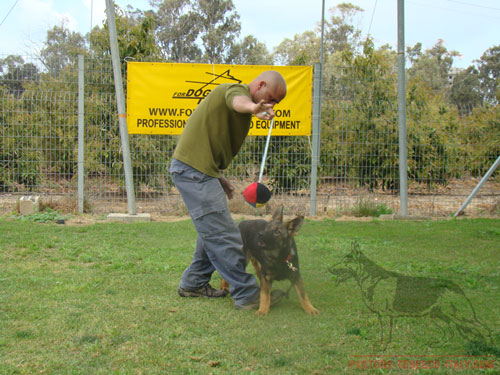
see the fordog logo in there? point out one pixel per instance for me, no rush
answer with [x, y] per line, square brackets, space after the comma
[162, 96]
[203, 90]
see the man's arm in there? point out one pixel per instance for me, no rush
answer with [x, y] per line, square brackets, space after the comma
[243, 104]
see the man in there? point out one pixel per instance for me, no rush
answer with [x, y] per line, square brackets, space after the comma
[211, 139]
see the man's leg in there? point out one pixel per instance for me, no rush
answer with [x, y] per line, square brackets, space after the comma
[219, 244]
[199, 273]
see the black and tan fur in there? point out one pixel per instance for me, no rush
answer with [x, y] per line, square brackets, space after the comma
[271, 248]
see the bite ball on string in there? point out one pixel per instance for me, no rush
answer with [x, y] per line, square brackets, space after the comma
[257, 194]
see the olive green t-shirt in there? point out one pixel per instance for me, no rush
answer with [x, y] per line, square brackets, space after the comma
[215, 131]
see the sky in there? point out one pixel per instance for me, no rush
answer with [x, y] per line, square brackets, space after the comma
[469, 27]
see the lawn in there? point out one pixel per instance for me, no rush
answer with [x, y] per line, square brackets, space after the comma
[101, 299]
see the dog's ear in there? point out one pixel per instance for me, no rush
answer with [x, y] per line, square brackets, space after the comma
[294, 225]
[278, 214]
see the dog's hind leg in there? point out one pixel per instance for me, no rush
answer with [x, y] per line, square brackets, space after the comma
[304, 299]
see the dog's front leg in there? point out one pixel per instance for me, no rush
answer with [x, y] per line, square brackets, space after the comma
[265, 295]
[304, 299]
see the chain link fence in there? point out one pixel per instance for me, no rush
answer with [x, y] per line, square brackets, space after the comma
[449, 150]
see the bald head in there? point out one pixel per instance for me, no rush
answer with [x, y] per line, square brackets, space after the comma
[273, 78]
[269, 86]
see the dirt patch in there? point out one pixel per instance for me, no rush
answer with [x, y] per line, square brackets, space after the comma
[334, 200]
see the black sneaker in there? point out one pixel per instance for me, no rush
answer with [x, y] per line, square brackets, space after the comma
[276, 296]
[205, 291]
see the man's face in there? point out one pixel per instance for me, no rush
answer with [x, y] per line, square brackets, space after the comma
[271, 94]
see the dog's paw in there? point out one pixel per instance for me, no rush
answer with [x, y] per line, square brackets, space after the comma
[312, 311]
[261, 312]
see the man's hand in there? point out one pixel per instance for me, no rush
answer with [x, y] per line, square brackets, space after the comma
[262, 110]
[227, 187]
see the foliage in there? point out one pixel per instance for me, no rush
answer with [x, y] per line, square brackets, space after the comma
[452, 123]
[364, 91]
[61, 49]
[302, 50]
[464, 92]
[340, 33]
[219, 26]
[15, 73]
[176, 30]
[249, 51]
[135, 37]
[204, 31]
[369, 208]
[489, 74]
[46, 216]
[432, 67]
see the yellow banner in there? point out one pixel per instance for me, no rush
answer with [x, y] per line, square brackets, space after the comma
[162, 96]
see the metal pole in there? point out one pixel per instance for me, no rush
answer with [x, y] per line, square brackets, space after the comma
[479, 185]
[316, 136]
[81, 132]
[120, 101]
[403, 152]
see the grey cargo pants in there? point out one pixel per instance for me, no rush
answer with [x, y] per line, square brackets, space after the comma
[219, 245]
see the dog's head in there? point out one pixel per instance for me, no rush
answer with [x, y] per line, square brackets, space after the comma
[349, 265]
[278, 234]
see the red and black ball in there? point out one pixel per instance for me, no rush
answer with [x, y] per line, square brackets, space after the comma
[257, 194]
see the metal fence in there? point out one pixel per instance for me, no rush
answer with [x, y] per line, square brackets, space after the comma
[358, 167]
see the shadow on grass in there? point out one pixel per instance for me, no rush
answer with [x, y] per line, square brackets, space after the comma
[391, 295]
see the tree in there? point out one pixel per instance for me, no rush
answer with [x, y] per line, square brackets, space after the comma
[249, 51]
[302, 50]
[219, 28]
[465, 91]
[489, 74]
[135, 34]
[61, 48]
[15, 73]
[177, 28]
[340, 34]
[433, 66]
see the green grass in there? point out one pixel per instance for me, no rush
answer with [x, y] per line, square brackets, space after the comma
[101, 299]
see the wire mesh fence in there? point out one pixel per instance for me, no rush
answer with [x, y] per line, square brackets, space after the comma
[449, 149]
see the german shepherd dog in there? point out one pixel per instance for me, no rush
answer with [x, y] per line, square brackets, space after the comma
[392, 295]
[271, 248]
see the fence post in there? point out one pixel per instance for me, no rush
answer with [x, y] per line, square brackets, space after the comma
[81, 132]
[403, 152]
[316, 135]
[120, 101]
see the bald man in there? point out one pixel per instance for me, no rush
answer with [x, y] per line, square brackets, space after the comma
[211, 139]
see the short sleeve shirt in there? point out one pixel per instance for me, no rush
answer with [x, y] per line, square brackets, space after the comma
[215, 131]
